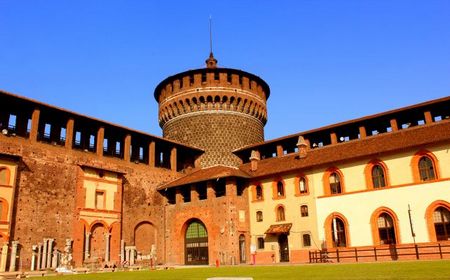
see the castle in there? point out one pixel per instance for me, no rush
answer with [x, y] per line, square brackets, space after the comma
[211, 190]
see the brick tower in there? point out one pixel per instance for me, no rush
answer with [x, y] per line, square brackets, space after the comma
[215, 109]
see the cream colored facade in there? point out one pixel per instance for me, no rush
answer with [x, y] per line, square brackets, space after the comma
[8, 171]
[357, 204]
[101, 191]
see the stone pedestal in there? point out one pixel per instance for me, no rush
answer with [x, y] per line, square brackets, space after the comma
[12, 260]
[33, 257]
[4, 257]
[39, 256]
[44, 254]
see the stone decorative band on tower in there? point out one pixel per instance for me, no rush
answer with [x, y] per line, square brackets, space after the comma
[215, 109]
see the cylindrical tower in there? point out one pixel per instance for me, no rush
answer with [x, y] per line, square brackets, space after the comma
[215, 109]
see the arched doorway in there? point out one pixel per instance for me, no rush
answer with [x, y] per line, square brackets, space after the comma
[144, 238]
[196, 244]
[242, 255]
[98, 245]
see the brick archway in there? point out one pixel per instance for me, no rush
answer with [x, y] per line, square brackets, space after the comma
[196, 246]
[145, 237]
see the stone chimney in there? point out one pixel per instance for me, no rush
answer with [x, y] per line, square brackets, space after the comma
[302, 147]
[254, 158]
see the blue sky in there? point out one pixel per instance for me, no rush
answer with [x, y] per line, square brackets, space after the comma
[326, 61]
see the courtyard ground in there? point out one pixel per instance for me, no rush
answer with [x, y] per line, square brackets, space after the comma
[390, 270]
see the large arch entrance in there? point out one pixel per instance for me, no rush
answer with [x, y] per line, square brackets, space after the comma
[196, 244]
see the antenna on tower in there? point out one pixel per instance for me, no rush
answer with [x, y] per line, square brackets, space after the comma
[211, 62]
[210, 34]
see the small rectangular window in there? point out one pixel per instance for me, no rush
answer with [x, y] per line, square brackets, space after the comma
[306, 240]
[100, 200]
[260, 243]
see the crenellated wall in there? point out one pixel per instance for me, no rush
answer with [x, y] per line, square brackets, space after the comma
[215, 109]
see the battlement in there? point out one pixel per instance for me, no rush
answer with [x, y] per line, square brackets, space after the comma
[215, 109]
[212, 89]
[38, 122]
[406, 118]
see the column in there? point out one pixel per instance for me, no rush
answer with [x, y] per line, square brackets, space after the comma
[12, 261]
[428, 117]
[279, 151]
[333, 138]
[4, 257]
[362, 132]
[55, 258]
[132, 255]
[230, 187]
[107, 237]
[178, 196]
[33, 257]
[210, 191]
[126, 147]
[34, 124]
[86, 245]
[173, 159]
[394, 124]
[39, 256]
[100, 138]
[122, 248]
[194, 193]
[69, 133]
[44, 254]
[127, 255]
[49, 252]
[151, 154]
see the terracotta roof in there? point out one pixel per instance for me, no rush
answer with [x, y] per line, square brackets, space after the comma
[30, 100]
[354, 121]
[209, 173]
[404, 139]
[276, 229]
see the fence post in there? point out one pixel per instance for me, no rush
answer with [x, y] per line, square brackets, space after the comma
[337, 254]
[375, 253]
[417, 251]
[440, 250]
[356, 254]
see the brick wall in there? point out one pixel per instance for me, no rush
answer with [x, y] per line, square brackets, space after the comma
[45, 198]
[217, 133]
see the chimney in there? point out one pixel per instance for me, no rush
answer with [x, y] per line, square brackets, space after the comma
[302, 147]
[254, 158]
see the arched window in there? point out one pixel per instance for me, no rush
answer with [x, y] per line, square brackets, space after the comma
[280, 189]
[259, 216]
[280, 214]
[386, 229]
[304, 210]
[441, 219]
[426, 169]
[1, 210]
[259, 193]
[302, 187]
[196, 243]
[338, 232]
[335, 183]
[378, 178]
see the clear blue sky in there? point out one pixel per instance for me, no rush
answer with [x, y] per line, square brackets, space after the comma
[326, 61]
